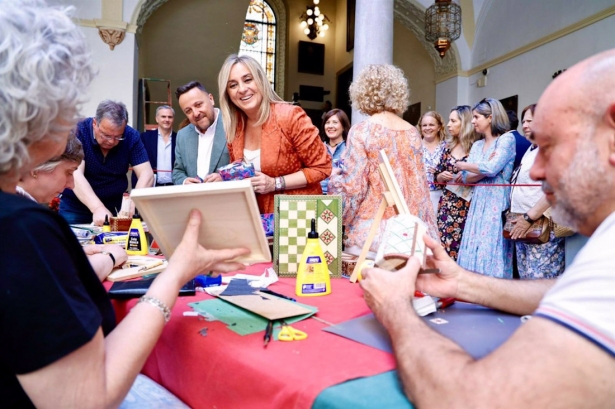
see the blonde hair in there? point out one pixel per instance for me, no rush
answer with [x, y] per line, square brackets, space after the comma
[232, 117]
[378, 88]
[467, 134]
[439, 120]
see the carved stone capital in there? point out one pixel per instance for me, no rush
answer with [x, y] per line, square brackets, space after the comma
[111, 36]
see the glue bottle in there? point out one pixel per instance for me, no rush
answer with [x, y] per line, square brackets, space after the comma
[313, 273]
[136, 245]
[106, 225]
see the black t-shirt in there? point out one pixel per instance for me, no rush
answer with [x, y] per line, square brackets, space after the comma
[51, 301]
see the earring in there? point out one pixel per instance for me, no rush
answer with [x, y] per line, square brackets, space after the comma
[34, 175]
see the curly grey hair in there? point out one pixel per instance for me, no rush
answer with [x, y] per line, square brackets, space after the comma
[45, 67]
[378, 88]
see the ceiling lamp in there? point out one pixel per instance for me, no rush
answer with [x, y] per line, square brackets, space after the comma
[313, 22]
[443, 24]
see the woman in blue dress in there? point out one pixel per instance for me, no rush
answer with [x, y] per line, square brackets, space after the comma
[483, 248]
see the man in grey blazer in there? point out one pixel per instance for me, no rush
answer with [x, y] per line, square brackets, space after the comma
[201, 146]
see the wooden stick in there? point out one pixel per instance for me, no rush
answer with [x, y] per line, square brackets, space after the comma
[370, 239]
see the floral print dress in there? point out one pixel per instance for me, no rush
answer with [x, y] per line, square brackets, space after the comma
[361, 187]
[452, 209]
[483, 248]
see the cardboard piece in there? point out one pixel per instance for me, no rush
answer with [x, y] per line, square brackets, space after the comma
[230, 216]
[266, 305]
[141, 264]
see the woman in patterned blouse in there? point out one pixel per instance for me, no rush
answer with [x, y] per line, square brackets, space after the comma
[380, 91]
[431, 127]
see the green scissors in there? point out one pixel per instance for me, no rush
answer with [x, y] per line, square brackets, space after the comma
[289, 333]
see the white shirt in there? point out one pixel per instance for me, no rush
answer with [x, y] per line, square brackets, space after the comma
[253, 157]
[583, 299]
[164, 172]
[525, 197]
[206, 143]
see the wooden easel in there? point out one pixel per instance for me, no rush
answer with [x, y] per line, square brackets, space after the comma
[391, 196]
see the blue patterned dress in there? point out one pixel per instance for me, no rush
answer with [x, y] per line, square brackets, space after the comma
[483, 248]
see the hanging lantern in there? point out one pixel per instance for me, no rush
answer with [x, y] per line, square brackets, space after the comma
[443, 24]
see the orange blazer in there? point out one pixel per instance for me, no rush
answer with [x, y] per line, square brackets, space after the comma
[289, 143]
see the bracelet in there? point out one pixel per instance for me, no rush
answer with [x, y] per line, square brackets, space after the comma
[110, 255]
[166, 312]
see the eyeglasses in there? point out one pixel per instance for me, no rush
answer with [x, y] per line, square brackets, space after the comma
[109, 137]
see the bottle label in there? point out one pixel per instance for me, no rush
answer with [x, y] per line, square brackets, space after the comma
[313, 260]
[314, 288]
[134, 241]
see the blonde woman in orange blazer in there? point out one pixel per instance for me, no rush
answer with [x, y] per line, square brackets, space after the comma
[277, 137]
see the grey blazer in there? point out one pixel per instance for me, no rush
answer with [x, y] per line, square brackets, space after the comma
[187, 149]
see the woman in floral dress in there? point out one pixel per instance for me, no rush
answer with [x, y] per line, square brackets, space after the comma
[483, 248]
[380, 91]
[455, 201]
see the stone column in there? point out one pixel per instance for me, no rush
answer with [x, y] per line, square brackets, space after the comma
[373, 38]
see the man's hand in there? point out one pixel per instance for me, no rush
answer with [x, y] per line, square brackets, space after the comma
[192, 259]
[212, 177]
[190, 181]
[389, 293]
[445, 283]
[98, 215]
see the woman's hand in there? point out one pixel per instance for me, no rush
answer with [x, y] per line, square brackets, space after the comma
[262, 183]
[444, 177]
[520, 229]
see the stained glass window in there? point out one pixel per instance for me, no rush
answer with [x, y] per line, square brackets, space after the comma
[259, 36]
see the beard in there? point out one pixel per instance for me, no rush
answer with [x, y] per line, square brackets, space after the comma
[582, 187]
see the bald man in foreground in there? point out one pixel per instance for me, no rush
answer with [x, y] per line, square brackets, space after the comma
[565, 355]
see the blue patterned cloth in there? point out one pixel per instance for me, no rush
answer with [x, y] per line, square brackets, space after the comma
[483, 248]
[544, 260]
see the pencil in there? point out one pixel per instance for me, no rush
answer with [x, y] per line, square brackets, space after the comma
[268, 333]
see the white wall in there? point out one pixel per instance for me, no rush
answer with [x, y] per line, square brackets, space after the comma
[505, 26]
[115, 73]
[527, 75]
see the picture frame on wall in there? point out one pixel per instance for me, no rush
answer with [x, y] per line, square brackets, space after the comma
[311, 58]
[351, 6]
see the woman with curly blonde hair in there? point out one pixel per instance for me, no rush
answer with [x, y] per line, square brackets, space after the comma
[380, 91]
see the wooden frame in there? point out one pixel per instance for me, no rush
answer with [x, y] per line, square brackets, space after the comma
[230, 216]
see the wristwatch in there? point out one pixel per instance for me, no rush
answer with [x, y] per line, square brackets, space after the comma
[278, 184]
[528, 218]
[110, 255]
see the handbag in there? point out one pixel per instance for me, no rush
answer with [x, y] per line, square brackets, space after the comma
[559, 229]
[538, 232]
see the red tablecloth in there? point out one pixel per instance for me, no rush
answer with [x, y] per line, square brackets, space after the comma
[226, 370]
